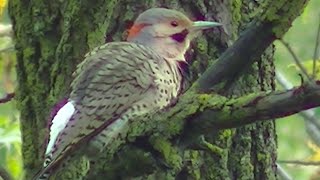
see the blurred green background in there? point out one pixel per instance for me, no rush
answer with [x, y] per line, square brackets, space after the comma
[293, 139]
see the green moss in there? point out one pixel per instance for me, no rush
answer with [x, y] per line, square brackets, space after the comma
[168, 152]
[124, 164]
[28, 52]
[76, 170]
[195, 164]
[129, 16]
[236, 16]
[95, 37]
[103, 20]
[202, 45]
[213, 149]
[263, 157]
[209, 100]
[173, 127]
[281, 14]
[226, 133]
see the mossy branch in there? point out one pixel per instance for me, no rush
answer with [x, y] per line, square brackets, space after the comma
[268, 26]
[207, 113]
[257, 107]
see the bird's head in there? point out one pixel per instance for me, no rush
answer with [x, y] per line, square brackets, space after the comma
[167, 31]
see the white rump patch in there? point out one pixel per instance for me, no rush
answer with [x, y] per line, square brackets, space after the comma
[59, 122]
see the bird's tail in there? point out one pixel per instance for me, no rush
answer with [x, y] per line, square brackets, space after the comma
[42, 175]
[45, 172]
[60, 169]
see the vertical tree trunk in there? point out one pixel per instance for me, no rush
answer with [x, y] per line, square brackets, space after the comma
[53, 36]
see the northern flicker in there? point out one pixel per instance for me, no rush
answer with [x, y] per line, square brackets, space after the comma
[121, 80]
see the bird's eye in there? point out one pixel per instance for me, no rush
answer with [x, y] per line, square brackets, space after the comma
[174, 23]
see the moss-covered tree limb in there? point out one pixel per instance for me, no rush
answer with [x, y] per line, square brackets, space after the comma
[268, 25]
[257, 107]
[209, 112]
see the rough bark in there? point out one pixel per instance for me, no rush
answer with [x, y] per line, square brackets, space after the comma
[51, 38]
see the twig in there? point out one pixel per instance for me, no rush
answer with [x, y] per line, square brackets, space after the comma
[7, 98]
[282, 173]
[316, 51]
[302, 163]
[312, 129]
[8, 48]
[296, 59]
[312, 123]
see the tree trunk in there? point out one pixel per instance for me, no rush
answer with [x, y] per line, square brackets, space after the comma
[53, 36]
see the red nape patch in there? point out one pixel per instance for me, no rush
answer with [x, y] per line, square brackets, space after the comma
[135, 29]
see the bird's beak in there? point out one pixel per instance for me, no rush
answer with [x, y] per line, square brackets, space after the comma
[201, 25]
[197, 27]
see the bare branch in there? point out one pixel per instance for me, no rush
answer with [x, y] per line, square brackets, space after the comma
[316, 50]
[7, 98]
[302, 163]
[311, 121]
[282, 173]
[296, 59]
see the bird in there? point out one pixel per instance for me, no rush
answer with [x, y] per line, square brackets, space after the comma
[119, 81]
